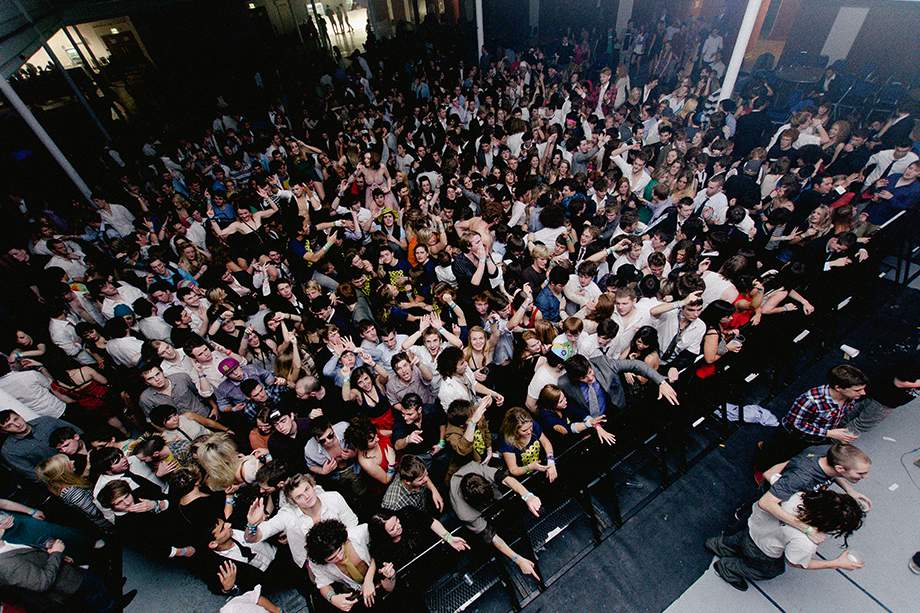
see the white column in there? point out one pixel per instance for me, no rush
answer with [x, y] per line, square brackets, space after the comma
[40, 133]
[480, 33]
[624, 13]
[741, 44]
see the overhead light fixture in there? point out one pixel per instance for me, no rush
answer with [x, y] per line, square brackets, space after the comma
[252, 5]
[113, 30]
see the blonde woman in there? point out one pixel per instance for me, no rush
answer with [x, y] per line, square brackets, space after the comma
[224, 467]
[684, 186]
[523, 445]
[479, 351]
[838, 136]
[57, 473]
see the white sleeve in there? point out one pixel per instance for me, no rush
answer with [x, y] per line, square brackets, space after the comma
[621, 163]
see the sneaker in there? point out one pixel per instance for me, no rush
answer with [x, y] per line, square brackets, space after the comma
[914, 563]
[739, 584]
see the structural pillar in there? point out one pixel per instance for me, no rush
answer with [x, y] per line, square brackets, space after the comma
[624, 14]
[480, 33]
[42, 136]
[533, 14]
[741, 44]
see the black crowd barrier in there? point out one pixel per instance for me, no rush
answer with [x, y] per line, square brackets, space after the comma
[600, 488]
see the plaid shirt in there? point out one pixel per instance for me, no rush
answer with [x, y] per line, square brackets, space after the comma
[398, 496]
[815, 412]
[276, 394]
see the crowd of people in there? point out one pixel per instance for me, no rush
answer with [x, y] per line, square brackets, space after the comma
[294, 350]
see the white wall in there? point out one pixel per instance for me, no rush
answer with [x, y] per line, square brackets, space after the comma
[843, 33]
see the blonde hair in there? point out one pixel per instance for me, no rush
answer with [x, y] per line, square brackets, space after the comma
[514, 419]
[57, 475]
[218, 457]
[487, 350]
[284, 364]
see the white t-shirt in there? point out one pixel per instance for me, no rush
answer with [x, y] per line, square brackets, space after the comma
[544, 375]
[125, 351]
[777, 539]
[629, 325]
[32, 389]
[717, 286]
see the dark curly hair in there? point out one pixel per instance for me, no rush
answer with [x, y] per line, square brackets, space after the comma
[324, 539]
[831, 512]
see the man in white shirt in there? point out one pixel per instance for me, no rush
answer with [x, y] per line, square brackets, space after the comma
[581, 288]
[64, 334]
[711, 46]
[112, 295]
[33, 389]
[67, 257]
[116, 216]
[711, 203]
[122, 347]
[548, 371]
[303, 498]
[890, 161]
[680, 330]
[628, 316]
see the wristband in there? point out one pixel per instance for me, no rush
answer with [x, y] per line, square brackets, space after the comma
[441, 443]
[448, 538]
[252, 529]
[515, 558]
[809, 530]
[527, 496]
[452, 305]
[329, 595]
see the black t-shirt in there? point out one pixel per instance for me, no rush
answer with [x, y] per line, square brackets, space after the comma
[290, 450]
[882, 387]
[432, 420]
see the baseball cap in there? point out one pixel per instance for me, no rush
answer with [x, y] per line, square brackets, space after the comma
[123, 310]
[275, 415]
[226, 365]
